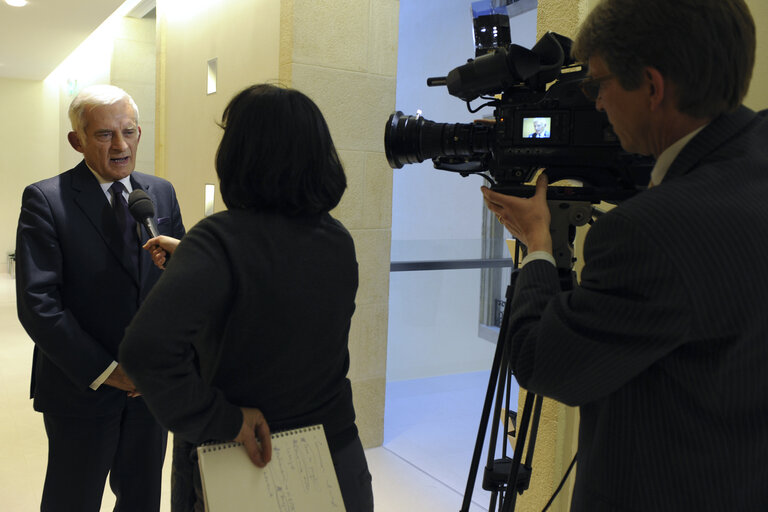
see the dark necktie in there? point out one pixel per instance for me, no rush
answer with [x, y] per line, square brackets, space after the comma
[125, 222]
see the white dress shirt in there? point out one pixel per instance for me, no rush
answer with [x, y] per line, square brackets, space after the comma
[105, 187]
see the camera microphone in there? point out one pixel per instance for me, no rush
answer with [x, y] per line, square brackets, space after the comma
[143, 210]
[437, 81]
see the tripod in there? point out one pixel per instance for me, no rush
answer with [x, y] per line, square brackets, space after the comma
[507, 477]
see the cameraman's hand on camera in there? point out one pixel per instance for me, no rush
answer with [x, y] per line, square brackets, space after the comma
[527, 219]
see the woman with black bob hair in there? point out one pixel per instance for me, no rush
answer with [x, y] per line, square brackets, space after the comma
[247, 329]
[277, 154]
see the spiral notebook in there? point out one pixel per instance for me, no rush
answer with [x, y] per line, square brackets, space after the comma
[299, 478]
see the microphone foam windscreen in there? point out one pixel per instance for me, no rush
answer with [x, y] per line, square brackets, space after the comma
[140, 205]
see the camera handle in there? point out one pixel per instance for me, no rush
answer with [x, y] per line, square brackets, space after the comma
[501, 474]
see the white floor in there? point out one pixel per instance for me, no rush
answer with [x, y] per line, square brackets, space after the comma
[430, 431]
[433, 424]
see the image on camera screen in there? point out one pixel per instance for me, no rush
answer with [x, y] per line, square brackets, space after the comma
[536, 127]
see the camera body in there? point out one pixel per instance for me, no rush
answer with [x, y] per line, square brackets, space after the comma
[533, 127]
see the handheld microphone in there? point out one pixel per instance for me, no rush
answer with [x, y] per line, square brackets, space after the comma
[143, 210]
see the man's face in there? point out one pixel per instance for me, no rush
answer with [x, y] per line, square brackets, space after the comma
[538, 126]
[627, 111]
[111, 138]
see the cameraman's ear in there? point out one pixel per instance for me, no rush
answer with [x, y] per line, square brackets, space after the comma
[656, 87]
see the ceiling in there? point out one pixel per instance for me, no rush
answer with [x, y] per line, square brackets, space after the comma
[34, 39]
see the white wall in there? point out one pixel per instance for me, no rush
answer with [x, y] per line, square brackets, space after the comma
[433, 319]
[29, 148]
[122, 53]
[133, 70]
[34, 145]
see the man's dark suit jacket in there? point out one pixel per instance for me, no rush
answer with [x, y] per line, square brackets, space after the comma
[664, 345]
[75, 291]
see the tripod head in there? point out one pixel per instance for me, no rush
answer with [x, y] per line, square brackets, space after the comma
[566, 216]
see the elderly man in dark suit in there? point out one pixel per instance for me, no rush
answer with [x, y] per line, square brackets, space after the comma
[81, 276]
[664, 344]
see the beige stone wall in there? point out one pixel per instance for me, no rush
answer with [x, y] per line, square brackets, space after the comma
[133, 69]
[343, 54]
[244, 36]
[561, 16]
[757, 98]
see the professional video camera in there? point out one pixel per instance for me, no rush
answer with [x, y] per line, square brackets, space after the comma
[556, 128]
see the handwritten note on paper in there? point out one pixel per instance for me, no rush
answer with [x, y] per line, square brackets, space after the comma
[299, 478]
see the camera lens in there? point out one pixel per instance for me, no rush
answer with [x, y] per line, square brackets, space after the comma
[412, 139]
[402, 140]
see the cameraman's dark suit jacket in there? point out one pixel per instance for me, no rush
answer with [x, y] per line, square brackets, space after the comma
[75, 292]
[664, 345]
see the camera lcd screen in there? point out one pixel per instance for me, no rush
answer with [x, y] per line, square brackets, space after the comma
[536, 127]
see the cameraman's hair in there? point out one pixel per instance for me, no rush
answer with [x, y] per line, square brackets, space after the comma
[95, 96]
[277, 154]
[705, 47]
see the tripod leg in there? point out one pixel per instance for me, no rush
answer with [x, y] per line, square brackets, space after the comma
[566, 215]
[499, 360]
[534, 428]
[492, 381]
[501, 387]
[532, 405]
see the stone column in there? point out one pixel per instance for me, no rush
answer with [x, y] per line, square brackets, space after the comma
[343, 54]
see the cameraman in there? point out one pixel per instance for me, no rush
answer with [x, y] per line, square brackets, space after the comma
[664, 344]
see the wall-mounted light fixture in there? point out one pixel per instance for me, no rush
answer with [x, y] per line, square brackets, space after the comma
[210, 190]
[212, 73]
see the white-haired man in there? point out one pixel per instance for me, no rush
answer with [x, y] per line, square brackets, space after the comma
[539, 129]
[81, 276]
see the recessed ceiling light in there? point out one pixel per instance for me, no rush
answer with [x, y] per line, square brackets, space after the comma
[16, 3]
